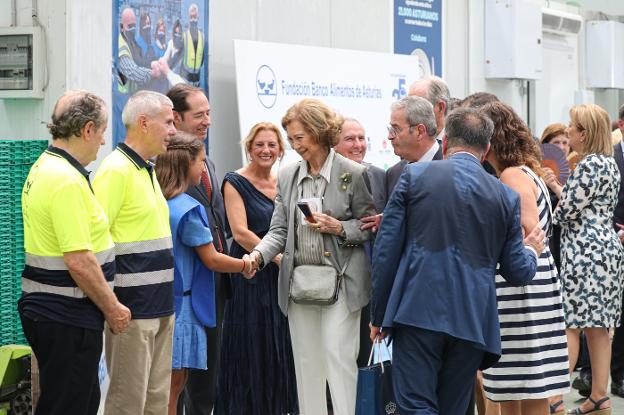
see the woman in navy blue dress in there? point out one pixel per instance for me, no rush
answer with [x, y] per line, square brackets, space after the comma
[257, 375]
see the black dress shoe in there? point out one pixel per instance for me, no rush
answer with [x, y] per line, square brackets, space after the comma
[583, 383]
[617, 387]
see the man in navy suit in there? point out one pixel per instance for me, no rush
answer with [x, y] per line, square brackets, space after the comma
[412, 132]
[445, 228]
[191, 111]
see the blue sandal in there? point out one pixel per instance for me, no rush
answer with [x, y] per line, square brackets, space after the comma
[597, 409]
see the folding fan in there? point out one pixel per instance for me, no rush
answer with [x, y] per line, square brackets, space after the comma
[555, 159]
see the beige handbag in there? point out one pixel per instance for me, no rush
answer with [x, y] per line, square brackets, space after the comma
[315, 284]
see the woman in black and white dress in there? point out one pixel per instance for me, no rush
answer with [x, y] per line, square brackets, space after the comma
[591, 253]
[534, 361]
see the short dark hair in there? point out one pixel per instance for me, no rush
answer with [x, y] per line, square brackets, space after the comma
[478, 99]
[178, 94]
[467, 127]
[82, 107]
[621, 113]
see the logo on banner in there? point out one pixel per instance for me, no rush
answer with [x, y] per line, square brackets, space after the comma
[266, 86]
[400, 91]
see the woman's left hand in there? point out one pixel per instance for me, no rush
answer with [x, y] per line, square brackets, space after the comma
[326, 224]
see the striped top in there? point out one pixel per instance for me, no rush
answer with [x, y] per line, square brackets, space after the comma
[309, 245]
[534, 361]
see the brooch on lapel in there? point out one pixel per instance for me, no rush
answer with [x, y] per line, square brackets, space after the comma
[345, 179]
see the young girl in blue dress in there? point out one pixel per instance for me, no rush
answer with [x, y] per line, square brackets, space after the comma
[195, 258]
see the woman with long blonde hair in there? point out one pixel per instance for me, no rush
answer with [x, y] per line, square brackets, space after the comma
[591, 253]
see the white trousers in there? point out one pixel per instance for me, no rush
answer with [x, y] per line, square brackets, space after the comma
[325, 342]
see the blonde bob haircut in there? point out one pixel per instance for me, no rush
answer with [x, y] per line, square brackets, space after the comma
[257, 129]
[597, 126]
[317, 119]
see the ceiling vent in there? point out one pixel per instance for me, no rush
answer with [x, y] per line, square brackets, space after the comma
[561, 23]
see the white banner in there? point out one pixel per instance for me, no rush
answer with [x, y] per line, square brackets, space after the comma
[271, 77]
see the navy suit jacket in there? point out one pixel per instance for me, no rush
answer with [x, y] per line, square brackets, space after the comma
[618, 214]
[394, 172]
[445, 228]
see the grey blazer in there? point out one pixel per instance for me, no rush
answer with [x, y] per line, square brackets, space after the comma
[377, 179]
[345, 205]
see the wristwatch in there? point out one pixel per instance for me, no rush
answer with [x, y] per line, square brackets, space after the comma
[260, 259]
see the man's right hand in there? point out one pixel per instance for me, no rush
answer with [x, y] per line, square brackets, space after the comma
[371, 222]
[118, 318]
[536, 239]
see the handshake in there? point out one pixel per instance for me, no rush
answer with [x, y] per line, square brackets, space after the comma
[159, 68]
[250, 267]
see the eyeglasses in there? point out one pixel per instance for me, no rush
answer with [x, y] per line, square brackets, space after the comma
[394, 131]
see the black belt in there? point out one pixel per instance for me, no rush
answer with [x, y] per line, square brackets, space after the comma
[187, 293]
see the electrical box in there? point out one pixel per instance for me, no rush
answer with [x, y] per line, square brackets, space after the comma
[21, 62]
[604, 60]
[513, 39]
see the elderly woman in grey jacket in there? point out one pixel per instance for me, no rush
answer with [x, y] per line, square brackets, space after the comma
[326, 250]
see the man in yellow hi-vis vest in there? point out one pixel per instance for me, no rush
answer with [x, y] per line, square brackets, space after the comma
[139, 360]
[70, 263]
[193, 48]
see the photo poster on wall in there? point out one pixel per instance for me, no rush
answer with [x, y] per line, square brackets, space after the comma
[157, 44]
[418, 32]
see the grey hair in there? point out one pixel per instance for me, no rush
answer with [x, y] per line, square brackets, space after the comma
[438, 90]
[148, 103]
[350, 119]
[81, 108]
[468, 127]
[417, 111]
[193, 6]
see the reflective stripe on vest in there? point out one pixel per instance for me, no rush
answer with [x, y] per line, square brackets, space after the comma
[125, 248]
[143, 278]
[137, 279]
[193, 58]
[57, 263]
[30, 286]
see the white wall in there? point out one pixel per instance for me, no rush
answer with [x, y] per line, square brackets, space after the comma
[27, 118]
[80, 56]
[356, 24]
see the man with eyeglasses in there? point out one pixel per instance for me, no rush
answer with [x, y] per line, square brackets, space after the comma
[412, 132]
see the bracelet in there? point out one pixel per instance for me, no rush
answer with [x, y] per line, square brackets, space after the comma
[244, 266]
